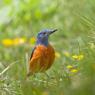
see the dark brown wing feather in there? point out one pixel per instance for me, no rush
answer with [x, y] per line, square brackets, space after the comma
[32, 52]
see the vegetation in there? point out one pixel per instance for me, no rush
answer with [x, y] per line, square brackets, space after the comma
[73, 72]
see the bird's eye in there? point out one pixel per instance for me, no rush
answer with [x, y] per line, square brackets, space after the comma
[44, 33]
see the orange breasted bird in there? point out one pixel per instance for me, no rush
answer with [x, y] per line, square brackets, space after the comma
[43, 54]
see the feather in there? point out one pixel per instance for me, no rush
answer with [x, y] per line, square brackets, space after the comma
[32, 52]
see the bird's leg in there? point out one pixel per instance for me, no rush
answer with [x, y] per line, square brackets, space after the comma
[49, 77]
[28, 75]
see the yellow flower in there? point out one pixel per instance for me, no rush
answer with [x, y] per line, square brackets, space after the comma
[7, 42]
[57, 54]
[32, 40]
[81, 57]
[18, 41]
[67, 54]
[75, 56]
[74, 70]
[69, 67]
[78, 57]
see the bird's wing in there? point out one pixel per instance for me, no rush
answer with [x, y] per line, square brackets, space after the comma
[35, 59]
[32, 52]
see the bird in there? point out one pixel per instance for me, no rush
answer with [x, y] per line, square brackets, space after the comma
[43, 53]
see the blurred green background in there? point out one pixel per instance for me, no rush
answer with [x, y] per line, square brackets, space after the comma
[73, 72]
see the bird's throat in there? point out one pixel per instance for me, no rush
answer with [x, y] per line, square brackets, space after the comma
[42, 42]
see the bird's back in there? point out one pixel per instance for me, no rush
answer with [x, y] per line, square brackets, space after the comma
[42, 58]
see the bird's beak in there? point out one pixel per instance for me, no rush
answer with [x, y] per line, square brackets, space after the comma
[52, 31]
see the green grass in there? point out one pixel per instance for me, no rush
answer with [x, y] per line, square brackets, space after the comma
[76, 35]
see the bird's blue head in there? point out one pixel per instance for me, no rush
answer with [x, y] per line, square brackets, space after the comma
[43, 36]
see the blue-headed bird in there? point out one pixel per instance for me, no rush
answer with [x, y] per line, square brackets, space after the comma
[43, 54]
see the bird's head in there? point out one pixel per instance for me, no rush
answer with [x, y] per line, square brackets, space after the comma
[43, 36]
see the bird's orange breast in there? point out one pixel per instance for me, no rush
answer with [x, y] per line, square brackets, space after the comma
[42, 58]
